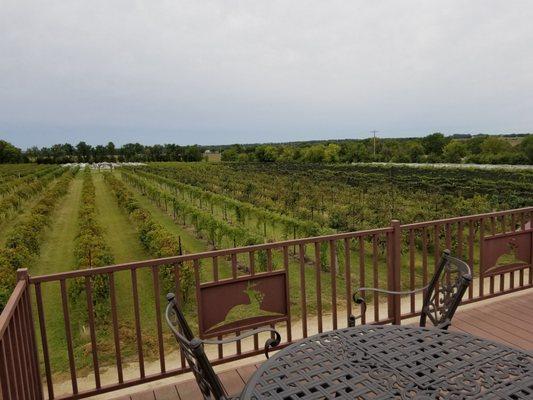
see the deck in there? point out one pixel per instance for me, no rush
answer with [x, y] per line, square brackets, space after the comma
[506, 319]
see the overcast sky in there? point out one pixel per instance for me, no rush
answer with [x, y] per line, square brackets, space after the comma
[257, 71]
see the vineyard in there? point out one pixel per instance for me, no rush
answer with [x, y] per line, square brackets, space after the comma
[56, 219]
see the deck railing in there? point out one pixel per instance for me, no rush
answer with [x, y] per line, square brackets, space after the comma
[323, 272]
[19, 364]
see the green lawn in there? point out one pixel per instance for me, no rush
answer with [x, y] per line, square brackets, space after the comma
[57, 255]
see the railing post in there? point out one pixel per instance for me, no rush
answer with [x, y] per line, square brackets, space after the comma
[33, 358]
[394, 282]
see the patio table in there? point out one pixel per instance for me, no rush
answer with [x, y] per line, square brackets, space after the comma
[381, 362]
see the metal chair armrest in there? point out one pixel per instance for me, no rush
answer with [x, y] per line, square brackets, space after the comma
[370, 289]
[269, 344]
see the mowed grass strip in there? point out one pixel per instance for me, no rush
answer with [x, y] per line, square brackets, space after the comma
[57, 255]
[122, 238]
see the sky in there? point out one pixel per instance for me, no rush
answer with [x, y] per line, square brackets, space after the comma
[220, 72]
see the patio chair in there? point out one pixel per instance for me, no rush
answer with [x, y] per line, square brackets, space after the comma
[450, 281]
[193, 350]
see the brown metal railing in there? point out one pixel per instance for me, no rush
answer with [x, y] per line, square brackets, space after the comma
[323, 272]
[19, 368]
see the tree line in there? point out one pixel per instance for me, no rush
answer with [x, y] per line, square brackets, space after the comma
[84, 152]
[434, 148]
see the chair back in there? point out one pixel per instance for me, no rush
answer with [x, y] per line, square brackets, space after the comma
[445, 291]
[193, 350]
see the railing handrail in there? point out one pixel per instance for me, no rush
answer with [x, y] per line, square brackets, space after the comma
[465, 218]
[11, 305]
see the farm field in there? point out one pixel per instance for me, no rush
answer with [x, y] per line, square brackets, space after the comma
[89, 218]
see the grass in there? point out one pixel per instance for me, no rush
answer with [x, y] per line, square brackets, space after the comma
[57, 255]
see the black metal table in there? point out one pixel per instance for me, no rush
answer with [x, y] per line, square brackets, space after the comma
[383, 362]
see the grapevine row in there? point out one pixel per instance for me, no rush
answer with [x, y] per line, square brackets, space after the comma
[23, 243]
[155, 239]
[91, 249]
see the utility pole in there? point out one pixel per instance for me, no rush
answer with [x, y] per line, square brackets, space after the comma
[374, 132]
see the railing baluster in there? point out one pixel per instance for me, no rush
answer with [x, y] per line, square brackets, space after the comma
[177, 289]
[12, 366]
[32, 345]
[90, 312]
[481, 236]
[493, 232]
[234, 265]
[530, 275]
[302, 289]
[215, 269]
[471, 255]
[68, 334]
[269, 259]
[348, 277]
[26, 348]
[460, 228]
[318, 285]
[448, 230]
[114, 316]
[362, 271]
[425, 255]
[251, 257]
[333, 272]
[287, 294]
[5, 382]
[138, 334]
[19, 352]
[157, 296]
[412, 267]
[375, 275]
[44, 340]
[215, 279]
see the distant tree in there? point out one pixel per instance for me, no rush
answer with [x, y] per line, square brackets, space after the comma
[192, 153]
[455, 151]
[314, 154]
[288, 154]
[229, 154]
[111, 150]
[495, 145]
[474, 144]
[434, 143]
[415, 151]
[332, 153]
[9, 153]
[266, 153]
[526, 146]
[83, 151]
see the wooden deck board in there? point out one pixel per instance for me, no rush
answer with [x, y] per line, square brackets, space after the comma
[506, 319]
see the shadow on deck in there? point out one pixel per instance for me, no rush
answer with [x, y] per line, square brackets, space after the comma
[506, 319]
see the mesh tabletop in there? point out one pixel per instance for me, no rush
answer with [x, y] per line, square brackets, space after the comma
[383, 362]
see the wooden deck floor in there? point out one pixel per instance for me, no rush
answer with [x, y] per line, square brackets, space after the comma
[507, 319]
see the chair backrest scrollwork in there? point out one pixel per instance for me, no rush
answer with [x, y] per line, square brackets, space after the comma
[193, 350]
[445, 291]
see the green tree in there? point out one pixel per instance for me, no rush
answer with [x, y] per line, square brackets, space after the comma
[9, 153]
[331, 153]
[455, 151]
[415, 151]
[495, 145]
[314, 154]
[526, 145]
[266, 153]
[434, 143]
